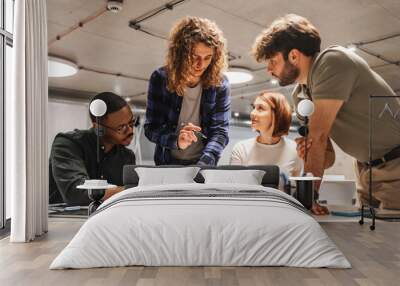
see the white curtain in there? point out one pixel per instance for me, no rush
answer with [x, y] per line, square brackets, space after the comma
[26, 123]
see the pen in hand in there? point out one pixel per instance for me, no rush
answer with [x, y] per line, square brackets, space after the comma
[201, 135]
[197, 133]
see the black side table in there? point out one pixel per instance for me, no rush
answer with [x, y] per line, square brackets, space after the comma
[95, 195]
[96, 190]
[305, 190]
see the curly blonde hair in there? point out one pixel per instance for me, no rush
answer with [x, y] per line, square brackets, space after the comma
[183, 37]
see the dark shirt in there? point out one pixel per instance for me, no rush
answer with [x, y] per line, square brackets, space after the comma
[162, 115]
[73, 159]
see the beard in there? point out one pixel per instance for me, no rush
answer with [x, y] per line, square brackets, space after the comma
[289, 74]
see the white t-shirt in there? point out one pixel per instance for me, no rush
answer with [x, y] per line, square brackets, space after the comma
[190, 112]
[283, 154]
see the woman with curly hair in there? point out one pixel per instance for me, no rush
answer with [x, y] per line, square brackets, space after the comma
[188, 105]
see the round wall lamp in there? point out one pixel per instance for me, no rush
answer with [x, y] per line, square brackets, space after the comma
[58, 67]
[237, 75]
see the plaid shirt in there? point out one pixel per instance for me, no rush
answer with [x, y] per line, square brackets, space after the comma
[162, 115]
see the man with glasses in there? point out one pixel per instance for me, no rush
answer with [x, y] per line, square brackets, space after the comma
[73, 157]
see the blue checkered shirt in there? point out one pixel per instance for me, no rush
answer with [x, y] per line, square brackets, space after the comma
[162, 115]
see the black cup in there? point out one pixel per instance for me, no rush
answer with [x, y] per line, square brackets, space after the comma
[305, 192]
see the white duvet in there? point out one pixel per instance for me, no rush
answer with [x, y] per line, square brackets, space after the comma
[207, 230]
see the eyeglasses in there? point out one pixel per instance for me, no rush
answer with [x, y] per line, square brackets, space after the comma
[123, 128]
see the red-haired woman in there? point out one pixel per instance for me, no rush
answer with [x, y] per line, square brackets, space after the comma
[271, 117]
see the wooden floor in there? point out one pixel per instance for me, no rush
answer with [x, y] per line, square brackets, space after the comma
[374, 255]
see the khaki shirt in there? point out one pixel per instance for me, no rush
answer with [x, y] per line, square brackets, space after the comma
[338, 73]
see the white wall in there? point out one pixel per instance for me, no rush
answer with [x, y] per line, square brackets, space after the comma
[147, 149]
[343, 164]
[66, 116]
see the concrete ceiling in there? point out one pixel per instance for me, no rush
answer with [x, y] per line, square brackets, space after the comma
[109, 45]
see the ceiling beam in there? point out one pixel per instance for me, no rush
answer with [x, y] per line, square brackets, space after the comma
[397, 63]
[135, 23]
[78, 25]
[380, 39]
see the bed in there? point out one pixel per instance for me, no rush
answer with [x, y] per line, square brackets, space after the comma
[201, 224]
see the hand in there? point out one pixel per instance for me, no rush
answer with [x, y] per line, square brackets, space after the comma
[186, 136]
[301, 142]
[317, 209]
[110, 192]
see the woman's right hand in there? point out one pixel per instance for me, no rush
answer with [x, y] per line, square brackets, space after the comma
[301, 142]
[186, 136]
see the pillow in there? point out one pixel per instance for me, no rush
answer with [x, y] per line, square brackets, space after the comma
[249, 177]
[164, 176]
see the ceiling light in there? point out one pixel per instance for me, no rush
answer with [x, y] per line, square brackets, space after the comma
[274, 81]
[238, 75]
[352, 47]
[236, 114]
[60, 67]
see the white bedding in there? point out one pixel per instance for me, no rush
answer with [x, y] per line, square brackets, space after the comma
[189, 230]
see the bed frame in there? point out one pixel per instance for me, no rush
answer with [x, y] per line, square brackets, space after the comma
[270, 179]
